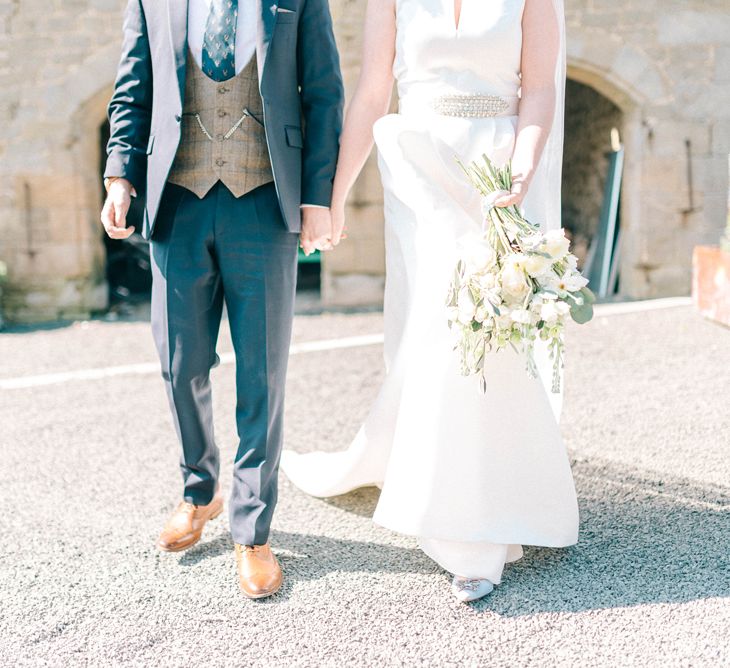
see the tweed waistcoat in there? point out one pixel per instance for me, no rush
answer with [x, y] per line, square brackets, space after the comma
[234, 150]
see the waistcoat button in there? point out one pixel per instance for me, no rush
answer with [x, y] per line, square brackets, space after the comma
[219, 137]
[222, 89]
[222, 113]
[220, 162]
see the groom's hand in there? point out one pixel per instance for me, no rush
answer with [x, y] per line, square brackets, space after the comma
[316, 229]
[116, 207]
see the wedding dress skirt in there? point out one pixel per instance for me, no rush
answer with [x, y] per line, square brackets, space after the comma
[474, 476]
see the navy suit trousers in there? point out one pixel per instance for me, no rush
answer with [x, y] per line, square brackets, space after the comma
[206, 252]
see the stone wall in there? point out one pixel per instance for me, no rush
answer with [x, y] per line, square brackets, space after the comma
[664, 64]
[354, 275]
[663, 69]
[53, 100]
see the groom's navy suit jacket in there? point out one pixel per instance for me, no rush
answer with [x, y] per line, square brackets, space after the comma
[300, 83]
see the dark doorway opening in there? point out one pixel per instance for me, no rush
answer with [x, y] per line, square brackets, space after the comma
[589, 120]
[127, 262]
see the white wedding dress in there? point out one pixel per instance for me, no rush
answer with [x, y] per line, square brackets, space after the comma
[473, 476]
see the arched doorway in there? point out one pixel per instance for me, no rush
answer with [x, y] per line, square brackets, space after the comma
[590, 118]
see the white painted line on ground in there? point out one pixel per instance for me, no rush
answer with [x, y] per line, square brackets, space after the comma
[620, 308]
[25, 382]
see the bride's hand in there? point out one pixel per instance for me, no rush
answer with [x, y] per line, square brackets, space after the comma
[338, 224]
[514, 197]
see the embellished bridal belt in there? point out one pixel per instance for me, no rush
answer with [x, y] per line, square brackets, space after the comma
[475, 106]
[463, 106]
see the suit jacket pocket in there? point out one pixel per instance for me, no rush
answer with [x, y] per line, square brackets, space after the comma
[294, 137]
[289, 16]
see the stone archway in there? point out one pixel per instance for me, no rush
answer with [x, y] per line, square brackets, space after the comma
[601, 100]
[590, 118]
[56, 257]
[674, 188]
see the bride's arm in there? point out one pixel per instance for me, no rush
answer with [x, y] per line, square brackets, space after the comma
[540, 47]
[370, 101]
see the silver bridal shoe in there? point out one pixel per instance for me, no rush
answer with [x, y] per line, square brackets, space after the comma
[470, 589]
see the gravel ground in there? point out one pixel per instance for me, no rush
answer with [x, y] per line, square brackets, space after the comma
[89, 476]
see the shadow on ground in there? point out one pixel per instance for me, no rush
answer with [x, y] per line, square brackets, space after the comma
[642, 541]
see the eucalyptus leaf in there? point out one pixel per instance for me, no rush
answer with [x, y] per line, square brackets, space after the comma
[581, 313]
[588, 295]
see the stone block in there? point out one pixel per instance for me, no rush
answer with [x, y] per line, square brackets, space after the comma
[352, 290]
[722, 64]
[668, 137]
[721, 137]
[693, 26]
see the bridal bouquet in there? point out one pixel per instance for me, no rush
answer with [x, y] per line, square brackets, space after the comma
[513, 284]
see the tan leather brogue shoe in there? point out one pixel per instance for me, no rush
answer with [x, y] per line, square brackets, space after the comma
[185, 525]
[259, 573]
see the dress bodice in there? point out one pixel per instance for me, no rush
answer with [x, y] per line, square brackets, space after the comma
[480, 56]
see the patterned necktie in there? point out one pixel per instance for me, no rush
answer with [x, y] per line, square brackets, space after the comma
[219, 43]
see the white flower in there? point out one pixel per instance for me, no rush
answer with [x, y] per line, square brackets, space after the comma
[521, 316]
[567, 283]
[478, 256]
[562, 308]
[531, 241]
[537, 264]
[513, 279]
[549, 312]
[487, 280]
[556, 244]
[516, 260]
[574, 282]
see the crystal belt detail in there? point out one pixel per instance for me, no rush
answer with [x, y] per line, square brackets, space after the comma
[471, 106]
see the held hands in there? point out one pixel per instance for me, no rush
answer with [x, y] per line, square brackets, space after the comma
[322, 229]
[116, 207]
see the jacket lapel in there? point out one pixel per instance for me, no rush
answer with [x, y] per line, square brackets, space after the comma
[178, 17]
[265, 33]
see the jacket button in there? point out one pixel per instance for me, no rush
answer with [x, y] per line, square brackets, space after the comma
[219, 137]
[178, 118]
[222, 113]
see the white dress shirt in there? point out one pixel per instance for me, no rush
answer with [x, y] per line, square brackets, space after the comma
[246, 27]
